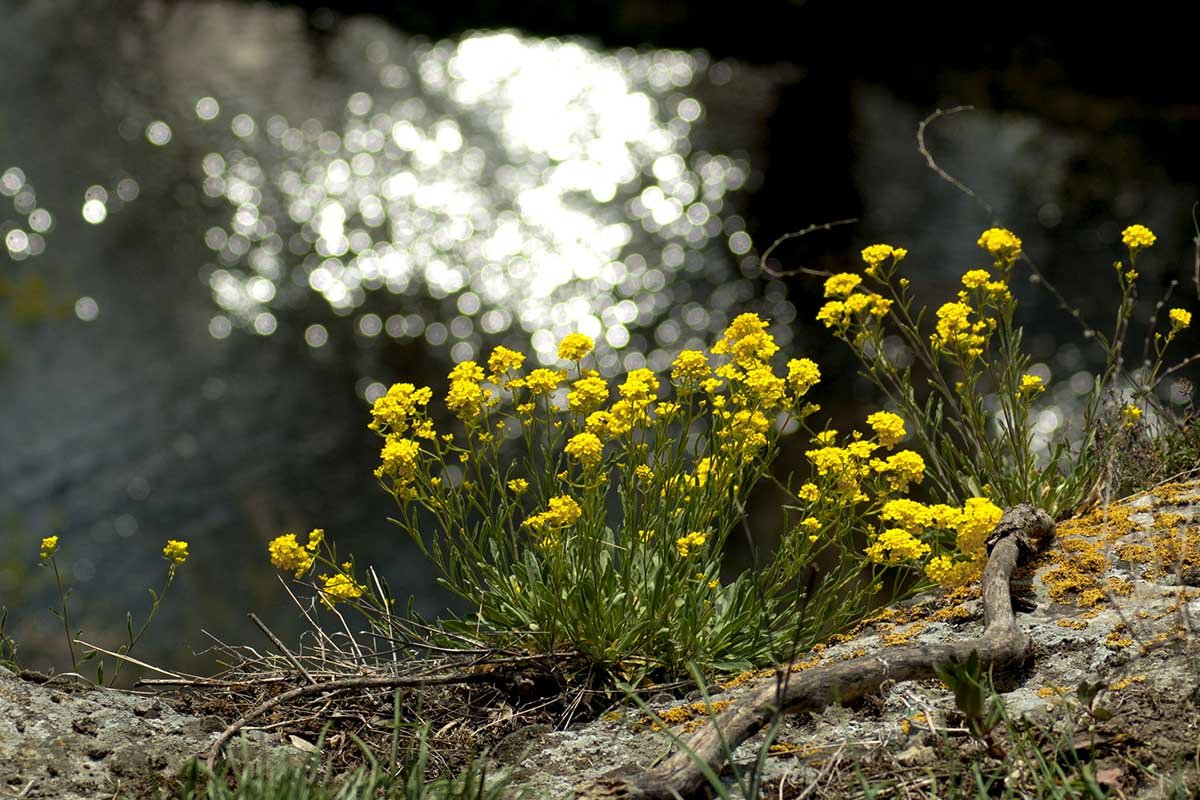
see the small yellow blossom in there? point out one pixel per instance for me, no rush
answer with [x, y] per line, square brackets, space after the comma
[810, 524]
[1131, 414]
[466, 371]
[49, 547]
[340, 587]
[175, 551]
[887, 426]
[895, 546]
[287, 554]
[1180, 319]
[543, 381]
[399, 460]
[973, 279]
[1137, 238]
[466, 398]
[518, 486]
[587, 394]
[643, 473]
[502, 361]
[575, 346]
[809, 493]
[842, 284]
[803, 374]
[1003, 244]
[876, 254]
[392, 412]
[686, 544]
[746, 341]
[586, 448]
[690, 368]
[561, 512]
[1031, 385]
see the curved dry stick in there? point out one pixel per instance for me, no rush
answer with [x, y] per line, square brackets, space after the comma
[340, 685]
[819, 226]
[1021, 531]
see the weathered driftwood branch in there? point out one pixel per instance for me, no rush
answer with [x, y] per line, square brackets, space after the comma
[1021, 531]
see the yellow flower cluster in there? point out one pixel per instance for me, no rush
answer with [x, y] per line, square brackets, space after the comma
[399, 459]
[289, 555]
[561, 512]
[1031, 385]
[803, 374]
[587, 394]
[877, 254]
[575, 346]
[340, 587]
[394, 411]
[503, 362]
[746, 342]
[466, 398]
[175, 551]
[684, 545]
[1003, 245]
[848, 466]
[857, 309]
[1131, 414]
[690, 368]
[957, 334]
[587, 449]
[907, 523]
[896, 546]
[888, 427]
[49, 547]
[1180, 319]
[986, 289]
[842, 284]
[518, 486]
[1137, 238]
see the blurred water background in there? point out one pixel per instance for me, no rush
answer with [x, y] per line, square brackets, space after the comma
[228, 226]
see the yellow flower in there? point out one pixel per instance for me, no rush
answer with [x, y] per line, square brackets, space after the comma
[876, 254]
[956, 333]
[693, 541]
[518, 486]
[887, 426]
[826, 437]
[842, 284]
[895, 546]
[978, 518]
[340, 587]
[810, 524]
[1131, 414]
[49, 547]
[764, 387]
[503, 361]
[746, 341]
[466, 398]
[315, 537]
[562, 512]
[393, 410]
[949, 573]
[586, 448]
[1137, 238]
[803, 374]
[1002, 243]
[587, 394]
[600, 423]
[543, 381]
[399, 460]
[575, 346]
[907, 514]
[645, 535]
[975, 278]
[690, 367]
[643, 473]
[175, 551]
[809, 493]
[466, 371]
[1180, 319]
[287, 554]
[640, 387]
[1031, 385]
[901, 469]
